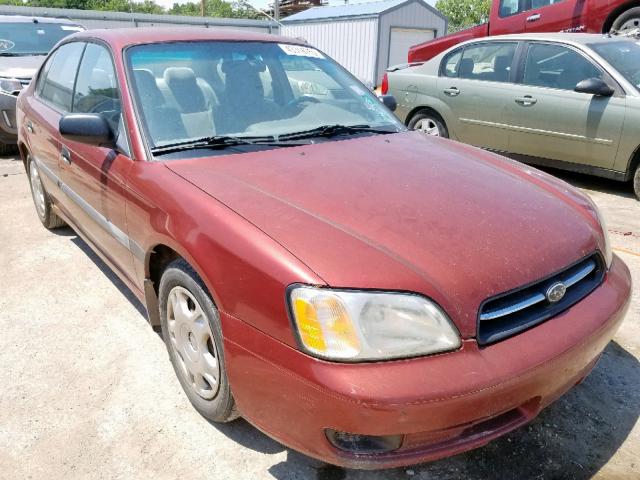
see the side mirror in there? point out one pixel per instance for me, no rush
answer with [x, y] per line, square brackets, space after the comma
[89, 128]
[594, 86]
[389, 101]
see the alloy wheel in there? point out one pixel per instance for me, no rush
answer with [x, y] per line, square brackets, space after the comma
[37, 190]
[192, 341]
[428, 126]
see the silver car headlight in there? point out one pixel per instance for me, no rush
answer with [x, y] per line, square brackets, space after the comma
[10, 85]
[358, 325]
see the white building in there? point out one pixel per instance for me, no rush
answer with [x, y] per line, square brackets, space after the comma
[366, 38]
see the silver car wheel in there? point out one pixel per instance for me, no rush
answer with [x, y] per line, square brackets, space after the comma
[630, 24]
[192, 341]
[428, 126]
[37, 190]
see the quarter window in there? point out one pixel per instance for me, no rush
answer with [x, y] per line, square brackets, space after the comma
[450, 64]
[59, 75]
[556, 66]
[96, 88]
[489, 62]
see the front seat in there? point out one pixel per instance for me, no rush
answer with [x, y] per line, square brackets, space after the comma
[244, 102]
[466, 68]
[164, 122]
[194, 101]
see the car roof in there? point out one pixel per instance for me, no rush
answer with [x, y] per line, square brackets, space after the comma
[122, 37]
[26, 19]
[572, 38]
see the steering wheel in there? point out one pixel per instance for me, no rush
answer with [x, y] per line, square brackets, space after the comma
[300, 100]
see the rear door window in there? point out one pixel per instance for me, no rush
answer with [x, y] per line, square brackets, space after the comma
[57, 81]
[488, 61]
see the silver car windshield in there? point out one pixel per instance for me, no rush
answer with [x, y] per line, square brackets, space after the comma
[624, 56]
[192, 90]
[32, 38]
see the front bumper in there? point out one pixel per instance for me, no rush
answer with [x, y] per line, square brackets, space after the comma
[8, 127]
[442, 404]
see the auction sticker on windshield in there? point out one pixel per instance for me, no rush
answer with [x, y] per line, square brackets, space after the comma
[300, 51]
[6, 45]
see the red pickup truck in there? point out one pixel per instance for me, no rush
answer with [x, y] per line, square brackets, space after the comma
[520, 16]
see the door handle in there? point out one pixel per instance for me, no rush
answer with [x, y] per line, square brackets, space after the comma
[526, 101]
[534, 18]
[65, 155]
[452, 92]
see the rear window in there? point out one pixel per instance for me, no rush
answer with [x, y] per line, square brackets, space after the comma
[19, 39]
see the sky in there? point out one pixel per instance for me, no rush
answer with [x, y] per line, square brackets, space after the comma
[262, 4]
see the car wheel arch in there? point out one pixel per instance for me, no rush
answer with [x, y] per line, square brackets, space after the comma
[608, 23]
[422, 108]
[157, 258]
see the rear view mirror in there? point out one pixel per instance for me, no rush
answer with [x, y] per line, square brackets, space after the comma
[594, 86]
[89, 128]
[389, 101]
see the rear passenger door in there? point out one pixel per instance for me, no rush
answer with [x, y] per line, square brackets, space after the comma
[95, 176]
[54, 90]
[472, 83]
[548, 119]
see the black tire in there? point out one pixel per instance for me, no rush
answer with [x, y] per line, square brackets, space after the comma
[433, 120]
[631, 18]
[220, 408]
[636, 182]
[7, 149]
[45, 212]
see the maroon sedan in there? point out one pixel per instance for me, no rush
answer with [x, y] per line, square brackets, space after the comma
[364, 294]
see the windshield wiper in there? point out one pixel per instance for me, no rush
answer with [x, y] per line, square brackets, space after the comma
[333, 130]
[222, 141]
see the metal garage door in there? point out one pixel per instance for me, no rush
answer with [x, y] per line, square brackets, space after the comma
[401, 39]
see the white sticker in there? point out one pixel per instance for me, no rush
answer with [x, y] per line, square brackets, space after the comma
[40, 32]
[300, 51]
[71, 28]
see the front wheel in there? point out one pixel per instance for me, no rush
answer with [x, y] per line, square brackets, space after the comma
[193, 335]
[429, 123]
[636, 182]
[627, 21]
[41, 199]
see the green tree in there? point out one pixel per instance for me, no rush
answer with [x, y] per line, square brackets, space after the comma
[464, 13]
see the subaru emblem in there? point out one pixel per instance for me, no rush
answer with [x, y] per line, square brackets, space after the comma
[556, 292]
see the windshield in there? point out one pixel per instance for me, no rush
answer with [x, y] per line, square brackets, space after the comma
[191, 90]
[24, 38]
[624, 56]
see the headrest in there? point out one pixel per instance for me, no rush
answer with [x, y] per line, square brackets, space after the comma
[183, 84]
[466, 67]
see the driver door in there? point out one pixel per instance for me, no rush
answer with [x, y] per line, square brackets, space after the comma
[548, 119]
[95, 176]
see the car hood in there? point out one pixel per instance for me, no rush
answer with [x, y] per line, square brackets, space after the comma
[406, 212]
[20, 67]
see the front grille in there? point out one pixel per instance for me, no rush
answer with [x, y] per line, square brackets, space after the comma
[512, 312]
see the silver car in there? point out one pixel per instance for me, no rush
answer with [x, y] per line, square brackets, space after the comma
[24, 44]
[570, 101]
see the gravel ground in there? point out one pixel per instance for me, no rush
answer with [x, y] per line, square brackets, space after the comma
[87, 390]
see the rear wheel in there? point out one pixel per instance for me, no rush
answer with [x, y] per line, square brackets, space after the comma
[636, 182]
[430, 123]
[627, 21]
[41, 199]
[193, 335]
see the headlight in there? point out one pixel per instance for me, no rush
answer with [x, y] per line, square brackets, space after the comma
[357, 325]
[10, 85]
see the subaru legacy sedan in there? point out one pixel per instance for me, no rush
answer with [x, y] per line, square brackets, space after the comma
[564, 100]
[364, 294]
